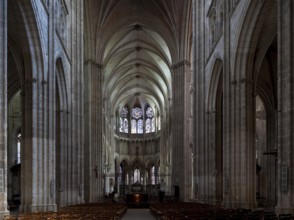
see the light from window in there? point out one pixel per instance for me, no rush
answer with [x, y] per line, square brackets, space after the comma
[153, 175]
[136, 175]
[148, 125]
[18, 148]
[153, 125]
[159, 123]
[126, 126]
[121, 125]
[133, 126]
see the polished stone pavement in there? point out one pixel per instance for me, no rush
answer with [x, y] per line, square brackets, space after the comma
[138, 214]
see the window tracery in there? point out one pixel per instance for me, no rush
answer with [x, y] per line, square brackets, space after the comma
[216, 18]
[137, 121]
[61, 18]
[124, 123]
[150, 122]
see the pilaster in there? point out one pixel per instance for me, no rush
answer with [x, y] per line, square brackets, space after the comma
[199, 152]
[76, 124]
[285, 174]
[3, 108]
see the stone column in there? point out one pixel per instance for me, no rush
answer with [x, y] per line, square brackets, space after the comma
[239, 164]
[94, 154]
[181, 158]
[3, 108]
[199, 175]
[76, 111]
[285, 166]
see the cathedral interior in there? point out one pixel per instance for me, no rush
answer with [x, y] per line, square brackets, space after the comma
[113, 96]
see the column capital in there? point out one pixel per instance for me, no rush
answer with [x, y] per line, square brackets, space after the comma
[93, 62]
[181, 63]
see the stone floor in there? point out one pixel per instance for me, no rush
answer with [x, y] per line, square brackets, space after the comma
[138, 214]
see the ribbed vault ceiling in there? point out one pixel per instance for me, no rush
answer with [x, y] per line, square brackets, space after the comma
[135, 42]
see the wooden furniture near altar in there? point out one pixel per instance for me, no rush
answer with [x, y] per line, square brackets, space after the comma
[137, 198]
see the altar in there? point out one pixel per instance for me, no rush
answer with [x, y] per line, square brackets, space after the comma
[137, 198]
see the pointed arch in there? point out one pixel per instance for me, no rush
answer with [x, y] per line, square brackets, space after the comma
[61, 84]
[215, 84]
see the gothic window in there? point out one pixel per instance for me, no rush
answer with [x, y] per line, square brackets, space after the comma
[148, 125]
[149, 112]
[137, 122]
[136, 175]
[140, 126]
[126, 126]
[137, 113]
[153, 125]
[121, 125]
[133, 126]
[124, 123]
[18, 149]
[150, 122]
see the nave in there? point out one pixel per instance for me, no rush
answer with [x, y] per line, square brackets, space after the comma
[168, 210]
[135, 214]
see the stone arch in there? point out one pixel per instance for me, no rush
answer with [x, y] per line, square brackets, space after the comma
[24, 29]
[14, 61]
[251, 27]
[61, 83]
[266, 120]
[215, 79]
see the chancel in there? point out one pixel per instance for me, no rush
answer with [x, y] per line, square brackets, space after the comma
[101, 101]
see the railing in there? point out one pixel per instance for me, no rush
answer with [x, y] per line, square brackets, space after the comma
[148, 136]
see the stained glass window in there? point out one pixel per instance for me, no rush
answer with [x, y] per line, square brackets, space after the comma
[149, 112]
[133, 126]
[121, 125]
[140, 126]
[148, 125]
[137, 113]
[124, 112]
[124, 124]
[153, 125]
